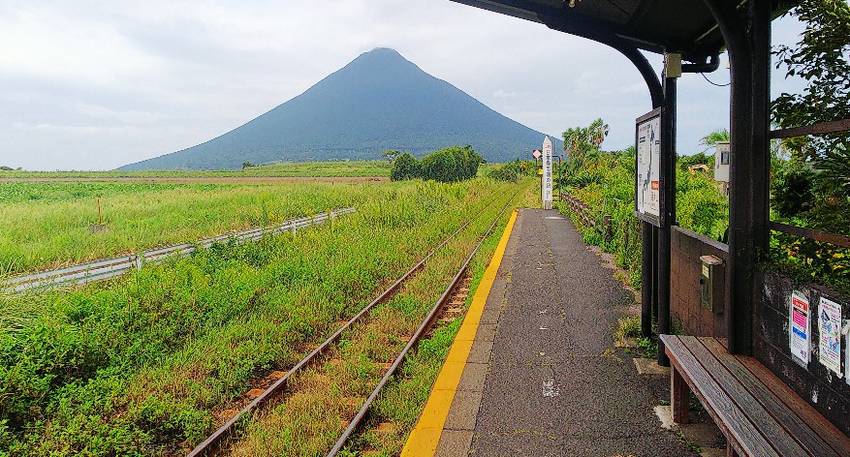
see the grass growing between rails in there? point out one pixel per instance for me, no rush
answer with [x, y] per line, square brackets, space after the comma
[322, 400]
[49, 224]
[146, 364]
[354, 168]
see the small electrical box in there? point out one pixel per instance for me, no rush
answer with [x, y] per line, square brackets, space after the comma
[672, 65]
[709, 280]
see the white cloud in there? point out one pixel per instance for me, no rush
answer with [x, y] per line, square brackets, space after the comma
[91, 84]
[39, 43]
[501, 93]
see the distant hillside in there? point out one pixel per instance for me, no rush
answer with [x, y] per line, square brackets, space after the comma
[378, 101]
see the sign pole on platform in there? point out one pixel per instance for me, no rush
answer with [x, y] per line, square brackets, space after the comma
[546, 181]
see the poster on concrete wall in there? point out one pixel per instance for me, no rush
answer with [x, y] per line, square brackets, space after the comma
[647, 165]
[546, 183]
[829, 324]
[800, 327]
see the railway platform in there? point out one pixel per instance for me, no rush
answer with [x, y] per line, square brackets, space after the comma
[533, 372]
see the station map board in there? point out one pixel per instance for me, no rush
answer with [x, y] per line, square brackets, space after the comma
[648, 167]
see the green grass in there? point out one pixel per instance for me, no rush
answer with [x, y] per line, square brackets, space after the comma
[329, 169]
[146, 363]
[355, 168]
[49, 224]
[627, 327]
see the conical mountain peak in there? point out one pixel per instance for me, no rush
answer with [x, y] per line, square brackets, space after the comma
[378, 101]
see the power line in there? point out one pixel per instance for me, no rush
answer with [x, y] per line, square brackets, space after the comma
[714, 83]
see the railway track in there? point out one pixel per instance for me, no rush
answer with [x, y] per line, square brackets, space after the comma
[101, 270]
[449, 303]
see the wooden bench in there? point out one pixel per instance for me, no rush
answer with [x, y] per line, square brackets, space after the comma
[759, 415]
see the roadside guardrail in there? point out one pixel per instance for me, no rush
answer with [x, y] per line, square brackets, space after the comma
[103, 269]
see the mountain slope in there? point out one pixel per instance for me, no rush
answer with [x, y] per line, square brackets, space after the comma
[378, 101]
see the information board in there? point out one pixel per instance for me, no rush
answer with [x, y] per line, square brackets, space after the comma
[648, 167]
[546, 181]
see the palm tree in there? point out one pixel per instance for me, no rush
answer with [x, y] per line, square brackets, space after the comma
[711, 140]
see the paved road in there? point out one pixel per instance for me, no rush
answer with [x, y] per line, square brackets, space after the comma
[552, 384]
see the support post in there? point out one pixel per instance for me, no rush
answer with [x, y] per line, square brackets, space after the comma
[679, 393]
[654, 274]
[668, 210]
[748, 42]
[760, 37]
[646, 280]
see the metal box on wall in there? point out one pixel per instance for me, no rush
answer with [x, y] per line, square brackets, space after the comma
[710, 277]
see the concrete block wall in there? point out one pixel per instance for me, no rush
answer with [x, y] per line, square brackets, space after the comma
[828, 393]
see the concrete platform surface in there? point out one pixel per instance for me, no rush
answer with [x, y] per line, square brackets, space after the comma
[543, 377]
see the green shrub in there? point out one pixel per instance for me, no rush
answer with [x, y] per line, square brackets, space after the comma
[792, 190]
[405, 167]
[511, 171]
[605, 182]
[451, 164]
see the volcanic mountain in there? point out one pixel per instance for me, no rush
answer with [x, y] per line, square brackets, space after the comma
[379, 101]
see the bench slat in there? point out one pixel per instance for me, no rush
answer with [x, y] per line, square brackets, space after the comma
[719, 404]
[769, 427]
[827, 431]
[786, 416]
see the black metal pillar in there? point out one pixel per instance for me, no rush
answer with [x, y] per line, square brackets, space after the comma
[747, 37]
[649, 243]
[653, 275]
[760, 38]
[668, 210]
[646, 280]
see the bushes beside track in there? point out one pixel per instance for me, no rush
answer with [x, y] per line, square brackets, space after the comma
[450, 164]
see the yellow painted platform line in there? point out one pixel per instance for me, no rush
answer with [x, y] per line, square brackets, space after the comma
[425, 436]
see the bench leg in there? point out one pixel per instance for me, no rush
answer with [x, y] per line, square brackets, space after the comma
[679, 391]
[730, 451]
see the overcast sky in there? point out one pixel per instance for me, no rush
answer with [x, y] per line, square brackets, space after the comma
[95, 85]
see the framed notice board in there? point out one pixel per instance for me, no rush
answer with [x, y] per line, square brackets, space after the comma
[648, 167]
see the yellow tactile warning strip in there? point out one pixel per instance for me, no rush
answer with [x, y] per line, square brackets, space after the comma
[425, 436]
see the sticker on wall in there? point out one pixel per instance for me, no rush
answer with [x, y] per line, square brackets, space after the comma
[846, 331]
[799, 330]
[829, 323]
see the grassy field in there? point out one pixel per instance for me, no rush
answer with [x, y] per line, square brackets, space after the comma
[151, 362]
[358, 168]
[50, 224]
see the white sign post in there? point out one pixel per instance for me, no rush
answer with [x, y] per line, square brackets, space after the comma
[546, 182]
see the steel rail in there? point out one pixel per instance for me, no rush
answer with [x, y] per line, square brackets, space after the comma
[213, 443]
[108, 268]
[414, 340]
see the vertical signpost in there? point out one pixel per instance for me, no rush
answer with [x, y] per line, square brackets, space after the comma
[546, 182]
